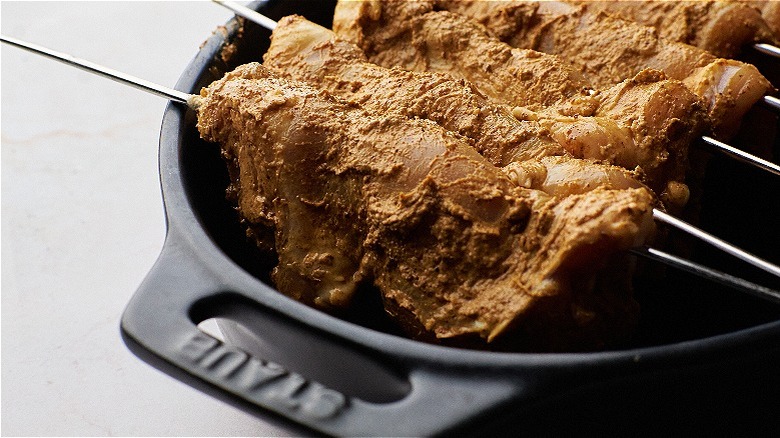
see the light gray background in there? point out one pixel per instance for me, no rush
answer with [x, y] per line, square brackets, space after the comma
[82, 220]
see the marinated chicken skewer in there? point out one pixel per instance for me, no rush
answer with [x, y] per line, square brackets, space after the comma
[455, 248]
[386, 31]
[294, 127]
[445, 42]
[584, 137]
[722, 28]
[614, 50]
[530, 150]
[305, 51]
[770, 11]
[656, 139]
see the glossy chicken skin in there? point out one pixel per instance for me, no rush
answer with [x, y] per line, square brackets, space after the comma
[459, 252]
[645, 121]
[722, 28]
[616, 49]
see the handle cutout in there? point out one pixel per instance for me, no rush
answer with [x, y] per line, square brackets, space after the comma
[332, 362]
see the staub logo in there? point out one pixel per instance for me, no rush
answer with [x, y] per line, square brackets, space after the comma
[267, 383]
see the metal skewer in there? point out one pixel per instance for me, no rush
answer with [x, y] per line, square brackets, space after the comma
[716, 145]
[716, 242]
[248, 13]
[768, 49]
[141, 84]
[710, 274]
[191, 101]
[772, 102]
[741, 155]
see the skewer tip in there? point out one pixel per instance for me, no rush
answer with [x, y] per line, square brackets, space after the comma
[772, 102]
[768, 49]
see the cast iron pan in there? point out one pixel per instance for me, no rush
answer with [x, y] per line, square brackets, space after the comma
[705, 358]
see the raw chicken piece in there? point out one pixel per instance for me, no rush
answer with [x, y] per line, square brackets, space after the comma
[770, 10]
[459, 253]
[721, 28]
[645, 121]
[304, 51]
[608, 50]
[390, 34]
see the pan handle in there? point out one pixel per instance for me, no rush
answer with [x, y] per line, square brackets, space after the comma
[159, 327]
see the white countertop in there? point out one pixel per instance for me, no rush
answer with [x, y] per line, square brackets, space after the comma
[83, 223]
[82, 220]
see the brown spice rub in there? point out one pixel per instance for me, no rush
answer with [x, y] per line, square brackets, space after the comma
[607, 50]
[722, 28]
[304, 51]
[457, 250]
[645, 121]
[391, 34]
[770, 11]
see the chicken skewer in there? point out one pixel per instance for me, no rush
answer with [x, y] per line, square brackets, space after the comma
[617, 49]
[300, 35]
[193, 101]
[713, 143]
[770, 11]
[459, 254]
[451, 43]
[304, 51]
[719, 27]
[537, 153]
[417, 35]
[500, 139]
[395, 201]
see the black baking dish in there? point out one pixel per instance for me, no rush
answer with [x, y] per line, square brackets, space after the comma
[706, 358]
